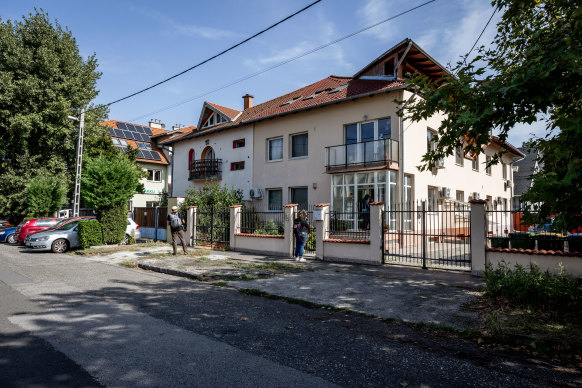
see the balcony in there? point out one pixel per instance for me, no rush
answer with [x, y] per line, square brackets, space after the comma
[363, 155]
[206, 169]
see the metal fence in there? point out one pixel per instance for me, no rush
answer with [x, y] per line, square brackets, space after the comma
[349, 225]
[213, 226]
[507, 229]
[257, 220]
[438, 236]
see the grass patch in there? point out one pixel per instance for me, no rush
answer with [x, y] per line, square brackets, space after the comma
[116, 248]
[202, 259]
[128, 264]
[191, 253]
[268, 267]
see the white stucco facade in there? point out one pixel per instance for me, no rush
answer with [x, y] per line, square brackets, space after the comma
[153, 187]
[224, 149]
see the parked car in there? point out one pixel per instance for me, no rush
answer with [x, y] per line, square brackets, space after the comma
[8, 235]
[131, 230]
[4, 223]
[35, 225]
[57, 240]
[59, 225]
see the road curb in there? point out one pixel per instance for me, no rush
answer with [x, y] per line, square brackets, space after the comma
[192, 276]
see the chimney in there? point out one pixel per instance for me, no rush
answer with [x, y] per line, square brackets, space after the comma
[156, 124]
[248, 101]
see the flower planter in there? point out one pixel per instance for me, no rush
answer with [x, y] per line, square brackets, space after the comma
[499, 242]
[550, 241]
[521, 240]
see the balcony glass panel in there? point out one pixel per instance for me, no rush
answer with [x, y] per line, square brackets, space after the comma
[377, 151]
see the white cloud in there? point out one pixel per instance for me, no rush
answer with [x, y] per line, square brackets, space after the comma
[204, 32]
[373, 12]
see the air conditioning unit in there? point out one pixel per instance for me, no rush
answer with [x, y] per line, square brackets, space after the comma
[499, 200]
[475, 195]
[440, 163]
[506, 185]
[255, 192]
[445, 192]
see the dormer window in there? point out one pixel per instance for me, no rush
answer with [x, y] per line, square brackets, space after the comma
[317, 94]
[214, 119]
[341, 87]
[291, 101]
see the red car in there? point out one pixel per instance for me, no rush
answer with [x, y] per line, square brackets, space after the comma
[34, 225]
[4, 223]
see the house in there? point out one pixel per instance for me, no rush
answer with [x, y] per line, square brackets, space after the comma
[154, 160]
[523, 168]
[340, 139]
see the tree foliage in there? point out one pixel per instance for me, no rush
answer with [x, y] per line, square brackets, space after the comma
[110, 182]
[533, 67]
[44, 195]
[43, 79]
[211, 195]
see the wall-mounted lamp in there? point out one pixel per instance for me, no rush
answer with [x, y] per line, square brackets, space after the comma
[314, 185]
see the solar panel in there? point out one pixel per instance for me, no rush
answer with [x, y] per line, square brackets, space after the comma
[126, 134]
[111, 132]
[147, 154]
[130, 127]
[135, 136]
[139, 129]
[148, 131]
[118, 132]
[156, 155]
[145, 138]
[121, 125]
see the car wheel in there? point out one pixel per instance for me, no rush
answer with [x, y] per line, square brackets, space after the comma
[11, 238]
[125, 240]
[59, 246]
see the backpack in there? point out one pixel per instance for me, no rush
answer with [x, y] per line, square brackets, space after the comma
[297, 229]
[175, 221]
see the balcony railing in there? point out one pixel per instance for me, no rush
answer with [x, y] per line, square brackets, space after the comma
[364, 154]
[206, 169]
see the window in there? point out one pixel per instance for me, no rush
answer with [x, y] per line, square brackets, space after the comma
[488, 166]
[299, 196]
[430, 140]
[152, 203]
[190, 157]
[240, 143]
[275, 149]
[213, 119]
[460, 196]
[475, 163]
[432, 199]
[389, 67]
[489, 204]
[123, 142]
[299, 145]
[115, 141]
[384, 130]
[459, 156]
[275, 199]
[368, 131]
[144, 146]
[235, 166]
[504, 170]
[154, 175]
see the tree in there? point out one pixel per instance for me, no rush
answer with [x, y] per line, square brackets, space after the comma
[44, 195]
[107, 184]
[534, 67]
[43, 79]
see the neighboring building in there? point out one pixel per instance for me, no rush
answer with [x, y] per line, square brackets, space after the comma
[151, 158]
[523, 169]
[340, 138]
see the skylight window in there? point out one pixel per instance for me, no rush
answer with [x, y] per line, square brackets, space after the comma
[341, 87]
[291, 101]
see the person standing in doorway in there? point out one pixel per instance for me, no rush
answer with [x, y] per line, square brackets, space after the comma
[176, 224]
[300, 230]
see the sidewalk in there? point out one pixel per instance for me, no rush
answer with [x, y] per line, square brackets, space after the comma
[407, 294]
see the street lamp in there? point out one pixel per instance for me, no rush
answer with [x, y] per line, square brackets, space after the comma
[79, 165]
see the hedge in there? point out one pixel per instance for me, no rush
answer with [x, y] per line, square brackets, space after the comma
[90, 233]
[114, 224]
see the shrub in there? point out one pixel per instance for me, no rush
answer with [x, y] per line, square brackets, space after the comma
[270, 228]
[311, 239]
[113, 223]
[90, 233]
[533, 287]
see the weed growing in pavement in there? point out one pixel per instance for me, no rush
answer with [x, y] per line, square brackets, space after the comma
[115, 248]
[191, 253]
[128, 264]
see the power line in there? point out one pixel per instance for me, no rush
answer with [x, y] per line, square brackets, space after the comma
[213, 57]
[249, 76]
[480, 35]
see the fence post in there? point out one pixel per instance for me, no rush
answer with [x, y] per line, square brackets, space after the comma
[423, 215]
[191, 226]
[376, 230]
[321, 229]
[290, 211]
[478, 236]
[235, 218]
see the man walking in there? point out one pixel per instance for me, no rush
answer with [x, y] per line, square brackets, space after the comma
[176, 224]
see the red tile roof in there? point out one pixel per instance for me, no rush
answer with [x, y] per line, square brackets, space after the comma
[133, 143]
[332, 89]
[231, 113]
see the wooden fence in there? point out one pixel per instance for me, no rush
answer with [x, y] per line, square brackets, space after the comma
[145, 216]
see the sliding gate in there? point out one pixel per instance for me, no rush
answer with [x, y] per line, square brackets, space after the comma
[436, 236]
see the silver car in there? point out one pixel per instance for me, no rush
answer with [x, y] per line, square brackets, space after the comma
[57, 240]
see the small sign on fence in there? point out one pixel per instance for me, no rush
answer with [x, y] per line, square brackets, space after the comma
[318, 215]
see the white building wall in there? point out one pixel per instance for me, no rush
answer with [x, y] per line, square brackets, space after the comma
[152, 190]
[221, 142]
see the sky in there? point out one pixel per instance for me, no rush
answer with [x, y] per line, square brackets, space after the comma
[139, 43]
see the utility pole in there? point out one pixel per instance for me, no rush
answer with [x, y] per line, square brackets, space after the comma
[79, 163]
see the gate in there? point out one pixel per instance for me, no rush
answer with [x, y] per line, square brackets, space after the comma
[310, 248]
[428, 236]
[213, 227]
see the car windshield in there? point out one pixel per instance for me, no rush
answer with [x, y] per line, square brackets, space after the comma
[69, 226]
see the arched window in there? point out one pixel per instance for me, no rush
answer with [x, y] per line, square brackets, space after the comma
[190, 157]
[208, 153]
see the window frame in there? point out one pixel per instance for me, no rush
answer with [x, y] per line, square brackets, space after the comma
[291, 145]
[233, 165]
[430, 208]
[292, 196]
[459, 157]
[238, 143]
[153, 175]
[475, 163]
[272, 190]
[487, 165]
[269, 160]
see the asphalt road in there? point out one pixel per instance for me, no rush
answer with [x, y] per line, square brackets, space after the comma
[68, 321]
